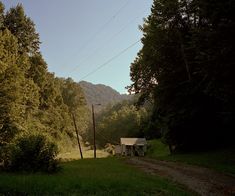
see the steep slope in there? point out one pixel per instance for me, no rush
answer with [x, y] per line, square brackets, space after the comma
[101, 94]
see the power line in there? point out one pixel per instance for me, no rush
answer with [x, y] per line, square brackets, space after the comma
[81, 63]
[107, 140]
[102, 27]
[105, 24]
[110, 60]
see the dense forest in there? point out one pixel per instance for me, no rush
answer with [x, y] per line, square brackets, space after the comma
[186, 67]
[123, 119]
[33, 100]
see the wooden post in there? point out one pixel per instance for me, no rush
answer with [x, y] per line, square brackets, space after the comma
[93, 118]
[79, 145]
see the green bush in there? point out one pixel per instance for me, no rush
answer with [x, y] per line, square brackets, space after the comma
[33, 153]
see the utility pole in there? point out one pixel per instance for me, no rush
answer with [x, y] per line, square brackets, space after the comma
[76, 129]
[93, 118]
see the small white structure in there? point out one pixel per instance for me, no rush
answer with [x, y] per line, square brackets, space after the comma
[133, 146]
[118, 150]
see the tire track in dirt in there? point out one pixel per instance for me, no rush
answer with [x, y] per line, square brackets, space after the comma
[204, 181]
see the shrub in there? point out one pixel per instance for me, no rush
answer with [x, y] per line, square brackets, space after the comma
[33, 153]
[4, 156]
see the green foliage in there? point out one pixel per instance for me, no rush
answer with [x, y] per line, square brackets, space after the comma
[121, 120]
[8, 50]
[23, 28]
[221, 160]
[38, 70]
[101, 94]
[157, 149]
[31, 98]
[33, 153]
[1, 15]
[187, 65]
[11, 88]
[108, 176]
[75, 102]
[72, 94]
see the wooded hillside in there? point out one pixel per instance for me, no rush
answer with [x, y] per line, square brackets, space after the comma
[101, 94]
[33, 100]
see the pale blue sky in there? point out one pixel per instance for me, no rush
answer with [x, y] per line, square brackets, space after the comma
[80, 35]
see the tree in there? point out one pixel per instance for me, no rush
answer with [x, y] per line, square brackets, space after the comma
[72, 95]
[38, 70]
[186, 65]
[11, 77]
[120, 120]
[8, 50]
[32, 100]
[23, 28]
[1, 15]
[74, 99]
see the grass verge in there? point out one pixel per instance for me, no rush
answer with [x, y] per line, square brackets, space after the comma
[221, 160]
[107, 176]
[75, 155]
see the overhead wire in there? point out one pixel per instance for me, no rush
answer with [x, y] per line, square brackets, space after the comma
[94, 35]
[110, 60]
[105, 25]
[81, 63]
[107, 140]
[98, 31]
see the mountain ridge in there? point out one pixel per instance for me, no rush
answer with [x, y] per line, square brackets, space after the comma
[101, 94]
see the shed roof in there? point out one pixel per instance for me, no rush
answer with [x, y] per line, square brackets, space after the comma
[133, 141]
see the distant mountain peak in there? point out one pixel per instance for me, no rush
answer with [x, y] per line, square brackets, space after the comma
[101, 94]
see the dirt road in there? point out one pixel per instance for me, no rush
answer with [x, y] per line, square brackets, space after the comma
[203, 181]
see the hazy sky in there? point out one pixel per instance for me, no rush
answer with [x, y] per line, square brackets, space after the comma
[78, 36]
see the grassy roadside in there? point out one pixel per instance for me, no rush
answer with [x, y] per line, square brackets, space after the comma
[220, 160]
[107, 176]
[75, 155]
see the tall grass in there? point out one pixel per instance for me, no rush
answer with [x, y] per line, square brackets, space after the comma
[108, 176]
[221, 160]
